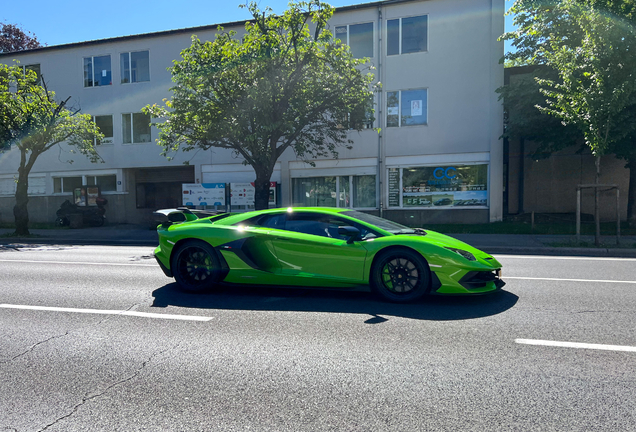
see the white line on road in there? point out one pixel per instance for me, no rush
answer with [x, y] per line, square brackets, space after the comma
[77, 262]
[577, 258]
[576, 345]
[109, 312]
[568, 280]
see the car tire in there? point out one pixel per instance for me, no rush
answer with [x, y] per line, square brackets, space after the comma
[195, 266]
[400, 276]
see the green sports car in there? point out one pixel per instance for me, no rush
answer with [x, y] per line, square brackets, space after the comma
[319, 247]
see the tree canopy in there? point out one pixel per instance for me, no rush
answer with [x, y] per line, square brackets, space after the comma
[32, 122]
[13, 38]
[589, 45]
[279, 86]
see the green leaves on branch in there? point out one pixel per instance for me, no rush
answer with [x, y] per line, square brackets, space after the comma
[591, 49]
[33, 121]
[278, 85]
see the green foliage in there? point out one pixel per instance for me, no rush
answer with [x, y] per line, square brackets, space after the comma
[590, 45]
[277, 86]
[33, 121]
[524, 121]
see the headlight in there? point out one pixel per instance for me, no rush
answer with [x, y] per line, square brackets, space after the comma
[465, 254]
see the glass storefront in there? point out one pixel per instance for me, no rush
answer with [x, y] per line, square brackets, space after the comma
[336, 191]
[439, 186]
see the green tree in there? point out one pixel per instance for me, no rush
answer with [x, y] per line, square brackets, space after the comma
[590, 48]
[32, 122]
[280, 86]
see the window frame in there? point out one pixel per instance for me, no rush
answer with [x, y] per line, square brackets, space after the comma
[347, 42]
[93, 70]
[400, 35]
[132, 129]
[129, 53]
[106, 140]
[84, 180]
[399, 114]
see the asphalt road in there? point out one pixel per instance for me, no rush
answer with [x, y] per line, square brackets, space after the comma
[97, 338]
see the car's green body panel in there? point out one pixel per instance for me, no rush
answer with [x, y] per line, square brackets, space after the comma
[267, 256]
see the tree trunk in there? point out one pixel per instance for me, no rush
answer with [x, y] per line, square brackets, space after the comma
[631, 193]
[597, 220]
[261, 192]
[20, 210]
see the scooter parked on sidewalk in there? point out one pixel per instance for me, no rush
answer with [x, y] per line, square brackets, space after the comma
[93, 216]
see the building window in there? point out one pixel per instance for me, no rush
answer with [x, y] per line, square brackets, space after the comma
[359, 37]
[440, 186]
[35, 68]
[135, 67]
[105, 125]
[407, 35]
[106, 183]
[135, 128]
[407, 108]
[66, 184]
[337, 191]
[97, 71]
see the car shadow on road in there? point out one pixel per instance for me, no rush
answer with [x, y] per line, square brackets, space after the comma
[435, 308]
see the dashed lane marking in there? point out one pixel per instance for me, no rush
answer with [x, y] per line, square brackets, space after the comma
[568, 280]
[109, 312]
[78, 262]
[576, 345]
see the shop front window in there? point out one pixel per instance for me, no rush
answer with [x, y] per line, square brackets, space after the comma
[342, 191]
[440, 186]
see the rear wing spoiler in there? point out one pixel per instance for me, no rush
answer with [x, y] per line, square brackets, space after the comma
[167, 217]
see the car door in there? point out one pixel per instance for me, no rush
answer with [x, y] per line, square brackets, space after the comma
[310, 247]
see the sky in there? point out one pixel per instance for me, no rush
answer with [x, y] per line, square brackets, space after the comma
[56, 23]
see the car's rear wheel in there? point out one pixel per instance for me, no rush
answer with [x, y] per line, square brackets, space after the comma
[400, 275]
[195, 266]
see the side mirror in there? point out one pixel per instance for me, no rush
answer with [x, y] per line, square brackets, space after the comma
[348, 231]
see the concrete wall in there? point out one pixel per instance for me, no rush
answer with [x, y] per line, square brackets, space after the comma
[550, 184]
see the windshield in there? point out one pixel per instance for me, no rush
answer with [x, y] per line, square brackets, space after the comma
[387, 225]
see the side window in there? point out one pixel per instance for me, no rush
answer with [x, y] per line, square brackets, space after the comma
[276, 221]
[335, 223]
[307, 223]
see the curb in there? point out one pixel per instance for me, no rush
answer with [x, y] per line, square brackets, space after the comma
[558, 251]
[74, 242]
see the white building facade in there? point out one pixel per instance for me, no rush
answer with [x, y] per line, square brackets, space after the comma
[437, 158]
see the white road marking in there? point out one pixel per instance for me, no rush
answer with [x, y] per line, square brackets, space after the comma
[576, 345]
[109, 312]
[568, 280]
[577, 258]
[76, 262]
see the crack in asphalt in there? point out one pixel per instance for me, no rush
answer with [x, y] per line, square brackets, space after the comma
[33, 347]
[90, 397]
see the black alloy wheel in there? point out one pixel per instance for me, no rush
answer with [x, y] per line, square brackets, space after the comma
[400, 275]
[195, 266]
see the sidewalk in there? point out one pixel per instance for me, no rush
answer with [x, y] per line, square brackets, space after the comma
[138, 235]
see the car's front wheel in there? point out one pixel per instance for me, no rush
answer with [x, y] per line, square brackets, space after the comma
[400, 275]
[195, 266]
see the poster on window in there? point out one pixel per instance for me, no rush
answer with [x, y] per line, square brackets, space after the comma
[242, 194]
[443, 186]
[416, 108]
[204, 194]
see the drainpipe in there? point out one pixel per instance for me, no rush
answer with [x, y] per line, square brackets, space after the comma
[380, 116]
